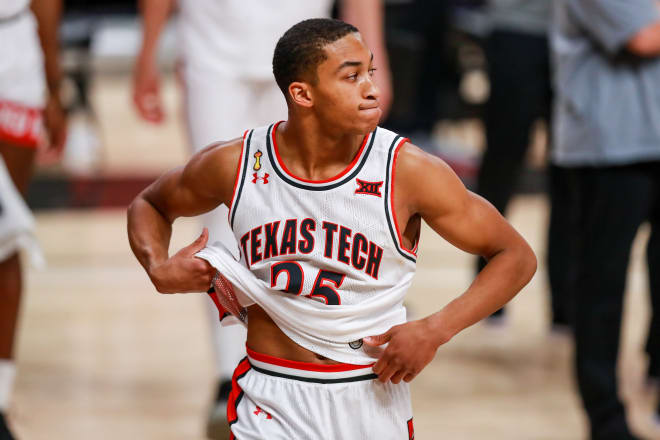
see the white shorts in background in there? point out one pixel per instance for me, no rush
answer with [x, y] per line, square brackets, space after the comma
[221, 107]
[22, 81]
[277, 399]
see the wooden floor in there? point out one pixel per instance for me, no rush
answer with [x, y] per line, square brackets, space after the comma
[102, 356]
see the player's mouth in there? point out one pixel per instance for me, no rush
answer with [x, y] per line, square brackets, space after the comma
[369, 107]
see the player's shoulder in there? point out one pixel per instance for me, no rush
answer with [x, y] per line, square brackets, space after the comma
[215, 165]
[218, 156]
[417, 169]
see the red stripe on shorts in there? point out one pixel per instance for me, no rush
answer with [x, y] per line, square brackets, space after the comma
[236, 391]
[307, 366]
[20, 124]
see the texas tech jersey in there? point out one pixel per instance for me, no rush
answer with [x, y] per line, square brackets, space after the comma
[331, 250]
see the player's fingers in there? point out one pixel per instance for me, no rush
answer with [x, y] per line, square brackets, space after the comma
[379, 366]
[382, 363]
[396, 378]
[199, 243]
[387, 373]
[378, 339]
[409, 377]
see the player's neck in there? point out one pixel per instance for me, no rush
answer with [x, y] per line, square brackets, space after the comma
[313, 152]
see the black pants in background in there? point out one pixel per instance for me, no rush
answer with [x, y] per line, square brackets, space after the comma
[519, 73]
[614, 201]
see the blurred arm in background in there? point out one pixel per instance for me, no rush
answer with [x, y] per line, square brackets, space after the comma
[646, 42]
[146, 78]
[48, 14]
[368, 16]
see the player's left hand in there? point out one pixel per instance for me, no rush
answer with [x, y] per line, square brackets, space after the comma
[411, 347]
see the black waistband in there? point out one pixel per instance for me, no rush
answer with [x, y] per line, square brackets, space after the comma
[12, 17]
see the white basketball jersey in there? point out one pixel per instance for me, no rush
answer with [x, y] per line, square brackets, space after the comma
[330, 250]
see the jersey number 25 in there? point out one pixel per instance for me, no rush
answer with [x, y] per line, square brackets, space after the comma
[296, 277]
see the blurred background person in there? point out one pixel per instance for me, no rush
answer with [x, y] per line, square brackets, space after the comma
[518, 62]
[226, 51]
[606, 55]
[425, 77]
[29, 95]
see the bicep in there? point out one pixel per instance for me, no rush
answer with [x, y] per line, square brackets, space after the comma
[202, 185]
[466, 220]
[175, 196]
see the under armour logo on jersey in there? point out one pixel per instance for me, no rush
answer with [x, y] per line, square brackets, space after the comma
[371, 188]
[257, 163]
[259, 411]
[256, 176]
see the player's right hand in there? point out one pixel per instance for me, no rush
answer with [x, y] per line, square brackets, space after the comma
[146, 90]
[183, 272]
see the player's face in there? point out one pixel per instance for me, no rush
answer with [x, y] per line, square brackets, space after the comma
[345, 95]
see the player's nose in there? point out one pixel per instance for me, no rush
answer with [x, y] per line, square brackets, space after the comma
[370, 89]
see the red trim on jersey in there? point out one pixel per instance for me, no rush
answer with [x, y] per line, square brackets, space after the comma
[222, 312]
[412, 251]
[307, 366]
[236, 390]
[20, 125]
[238, 176]
[337, 177]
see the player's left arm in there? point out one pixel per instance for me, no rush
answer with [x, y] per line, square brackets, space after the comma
[368, 17]
[470, 223]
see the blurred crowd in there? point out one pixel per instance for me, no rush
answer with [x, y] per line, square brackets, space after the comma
[576, 80]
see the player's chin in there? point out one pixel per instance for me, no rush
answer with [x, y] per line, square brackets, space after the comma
[369, 119]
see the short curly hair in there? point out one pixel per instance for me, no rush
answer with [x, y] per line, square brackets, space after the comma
[300, 50]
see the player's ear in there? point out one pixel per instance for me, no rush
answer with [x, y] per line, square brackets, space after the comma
[300, 93]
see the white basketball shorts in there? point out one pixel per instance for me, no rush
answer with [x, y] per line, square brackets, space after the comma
[274, 398]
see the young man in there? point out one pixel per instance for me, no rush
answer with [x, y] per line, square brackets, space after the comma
[328, 236]
[29, 73]
[225, 56]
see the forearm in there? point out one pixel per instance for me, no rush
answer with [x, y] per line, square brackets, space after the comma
[503, 277]
[149, 233]
[48, 14]
[155, 14]
[646, 42]
[368, 17]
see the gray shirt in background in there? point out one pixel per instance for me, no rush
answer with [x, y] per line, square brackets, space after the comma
[607, 101]
[526, 16]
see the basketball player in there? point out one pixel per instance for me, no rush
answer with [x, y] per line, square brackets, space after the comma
[23, 92]
[326, 208]
[225, 52]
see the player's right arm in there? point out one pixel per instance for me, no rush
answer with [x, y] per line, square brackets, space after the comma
[146, 78]
[203, 184]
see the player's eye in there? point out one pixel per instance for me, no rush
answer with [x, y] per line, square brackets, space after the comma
[352, 76]
[372, 70]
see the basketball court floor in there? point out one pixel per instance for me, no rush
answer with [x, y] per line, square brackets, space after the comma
[101, 355]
